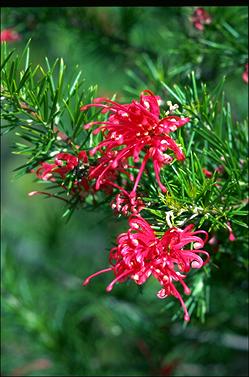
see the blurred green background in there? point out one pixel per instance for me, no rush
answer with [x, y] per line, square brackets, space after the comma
[50, 324]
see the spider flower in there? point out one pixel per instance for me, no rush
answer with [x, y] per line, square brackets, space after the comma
[65, 163]
[105, 174]
[140, 254]
[134, 128]
[126, 205]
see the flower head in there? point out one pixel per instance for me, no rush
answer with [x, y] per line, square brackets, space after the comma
[126, 205]
[140, 254]
[106, 173]
[132, 129]
[9, 35]
[200, 17]
[64, 164]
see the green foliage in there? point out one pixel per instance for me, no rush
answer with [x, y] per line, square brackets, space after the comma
[40, 106]
[37, 103]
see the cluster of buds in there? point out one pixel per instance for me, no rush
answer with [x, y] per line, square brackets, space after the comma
[200, 18]
[126, 205]
[140, 254]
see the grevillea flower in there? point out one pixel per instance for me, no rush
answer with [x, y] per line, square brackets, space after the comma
[131, 129]
[63, 164]
[140, 254]
[200, 17]
[105, 174]
[9, 35]
[245, 74]
[45, 171]
[126, 205]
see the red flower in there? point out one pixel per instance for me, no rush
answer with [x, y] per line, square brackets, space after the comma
[200, 17]
[45, 171]
[63, 164]
[126, 205]
[245, 74]
[131, 129]
[140, 254]
[9, 35]
[105, 173]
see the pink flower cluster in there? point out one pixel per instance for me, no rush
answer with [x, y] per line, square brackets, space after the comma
[134, 132]
[125, 204]
[65, 163]
[9, 35]
[141, 254]
[200, 18]
[132, 135]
